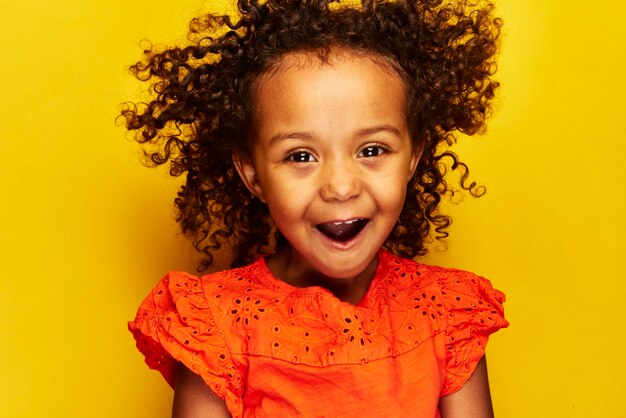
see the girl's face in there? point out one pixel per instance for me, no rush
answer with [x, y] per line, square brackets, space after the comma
[331, 159]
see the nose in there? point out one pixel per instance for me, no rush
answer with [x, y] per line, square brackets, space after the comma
[340, 180]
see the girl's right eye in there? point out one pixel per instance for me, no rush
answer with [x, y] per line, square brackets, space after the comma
[301, 157]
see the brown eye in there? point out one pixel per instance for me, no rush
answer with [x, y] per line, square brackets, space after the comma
[301, 157]
[371, 151]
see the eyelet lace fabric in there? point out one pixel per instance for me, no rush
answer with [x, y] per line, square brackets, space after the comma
[263, 345]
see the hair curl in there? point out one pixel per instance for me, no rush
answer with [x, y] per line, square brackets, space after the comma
[204, 92]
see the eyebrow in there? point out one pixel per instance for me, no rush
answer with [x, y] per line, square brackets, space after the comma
[281, 136]
[381, 128]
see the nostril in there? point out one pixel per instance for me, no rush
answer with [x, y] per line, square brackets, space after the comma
[340, 185]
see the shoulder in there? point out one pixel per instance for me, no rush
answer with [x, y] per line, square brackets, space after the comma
[177, 291]
[181, 321]
[462, 304]
[452, 284]
[179, 286]
[465, 307]
[448, 296]
[449, 283]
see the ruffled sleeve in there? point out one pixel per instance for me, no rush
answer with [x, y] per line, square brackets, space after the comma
[174, 324]
[475, 311]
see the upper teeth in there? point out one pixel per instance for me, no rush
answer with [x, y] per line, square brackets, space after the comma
[345, 222]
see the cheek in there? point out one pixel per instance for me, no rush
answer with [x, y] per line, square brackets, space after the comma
[392, 197]
[399, 198]
[285, 203]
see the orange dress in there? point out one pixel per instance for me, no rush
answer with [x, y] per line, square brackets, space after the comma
[272, 350]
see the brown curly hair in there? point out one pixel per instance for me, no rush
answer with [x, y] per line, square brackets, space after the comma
[203, 98]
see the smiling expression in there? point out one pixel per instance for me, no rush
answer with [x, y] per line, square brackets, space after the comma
[331, 158]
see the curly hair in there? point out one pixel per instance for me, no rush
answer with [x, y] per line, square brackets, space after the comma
[203, 97]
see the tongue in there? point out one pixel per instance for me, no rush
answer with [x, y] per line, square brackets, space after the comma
[342, 231]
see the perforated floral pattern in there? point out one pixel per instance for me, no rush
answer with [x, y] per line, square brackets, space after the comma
[219, 324]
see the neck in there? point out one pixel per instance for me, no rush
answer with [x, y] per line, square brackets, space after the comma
[287, 266]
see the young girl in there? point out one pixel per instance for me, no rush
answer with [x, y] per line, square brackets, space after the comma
[312, 135]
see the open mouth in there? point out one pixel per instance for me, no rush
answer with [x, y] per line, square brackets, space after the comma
[344, 230]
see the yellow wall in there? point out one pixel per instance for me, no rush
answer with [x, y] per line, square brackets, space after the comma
[86, 231]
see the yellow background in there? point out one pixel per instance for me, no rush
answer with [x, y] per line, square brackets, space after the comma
[86, 230]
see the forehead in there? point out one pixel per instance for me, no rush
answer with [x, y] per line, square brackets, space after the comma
[339, 77]
[320, 59]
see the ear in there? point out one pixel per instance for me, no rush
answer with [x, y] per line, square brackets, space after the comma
[415, 159]
[246, 171]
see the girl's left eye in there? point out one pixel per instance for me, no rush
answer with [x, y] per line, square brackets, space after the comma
[301, 157]
[372, 151]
